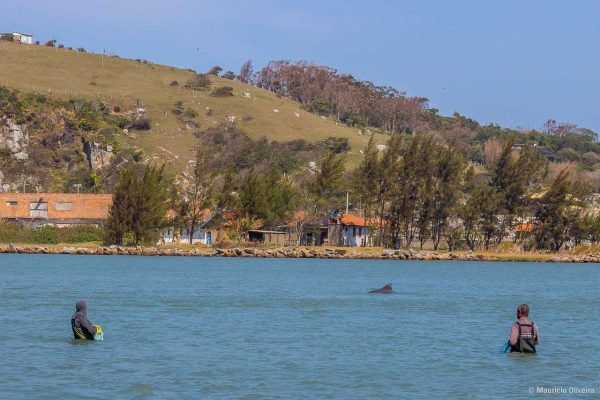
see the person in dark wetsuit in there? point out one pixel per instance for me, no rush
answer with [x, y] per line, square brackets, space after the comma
[81, 325]
[524, 335]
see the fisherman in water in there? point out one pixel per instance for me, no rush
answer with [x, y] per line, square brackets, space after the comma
[524, 335]
[82, 327]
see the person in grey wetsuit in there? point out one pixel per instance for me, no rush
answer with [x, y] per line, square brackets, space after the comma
[81, 325]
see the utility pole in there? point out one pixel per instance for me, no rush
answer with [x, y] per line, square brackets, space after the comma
[78, 186]
[347, 201]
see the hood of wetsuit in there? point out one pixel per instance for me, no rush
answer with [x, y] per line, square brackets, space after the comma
[81, 307]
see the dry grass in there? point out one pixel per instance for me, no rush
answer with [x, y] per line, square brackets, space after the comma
[66, 74]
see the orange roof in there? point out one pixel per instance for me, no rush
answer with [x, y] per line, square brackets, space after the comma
[524, 227]
[350, 219]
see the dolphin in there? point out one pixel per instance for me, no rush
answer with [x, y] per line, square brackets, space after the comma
[387, 289]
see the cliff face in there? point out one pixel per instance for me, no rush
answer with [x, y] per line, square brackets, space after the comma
[98, 155]
[54, 146]
[14, 140]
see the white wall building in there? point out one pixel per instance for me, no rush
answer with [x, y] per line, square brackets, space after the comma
[22, 38]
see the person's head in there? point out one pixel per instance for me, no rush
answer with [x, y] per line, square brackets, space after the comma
[81, 306]
[523, 311]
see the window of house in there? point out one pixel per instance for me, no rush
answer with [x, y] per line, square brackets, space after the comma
[360, 231]
[63, 206]
[38, 209]
[353, 231]
[11, 203]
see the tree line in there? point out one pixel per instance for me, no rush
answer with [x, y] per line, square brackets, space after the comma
[414, 191]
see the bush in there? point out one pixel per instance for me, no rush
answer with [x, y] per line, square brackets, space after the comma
[119, 120]
[81, 234]
[141, 123]
[229, 75]
[223, 91]
[337, 145]
[189, 113]
[198, 82]
[45, 235]
[11, 232]
[117, 109]
[7, 36]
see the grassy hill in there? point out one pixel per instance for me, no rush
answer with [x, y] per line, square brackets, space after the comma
[129, 84]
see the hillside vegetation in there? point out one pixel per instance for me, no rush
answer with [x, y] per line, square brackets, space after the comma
[129, 84]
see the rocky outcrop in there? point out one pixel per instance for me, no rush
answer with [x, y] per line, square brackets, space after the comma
[15, 140]
[98, 155]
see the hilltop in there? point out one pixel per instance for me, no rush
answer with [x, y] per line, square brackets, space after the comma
[131, 84]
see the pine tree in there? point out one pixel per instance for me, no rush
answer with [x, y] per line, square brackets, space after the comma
[121, 213]
[328, 183]
[139, 205]
[448, 173]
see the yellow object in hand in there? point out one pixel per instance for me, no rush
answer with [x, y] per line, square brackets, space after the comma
[98, 328]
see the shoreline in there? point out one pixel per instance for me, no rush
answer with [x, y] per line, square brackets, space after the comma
[298, 252]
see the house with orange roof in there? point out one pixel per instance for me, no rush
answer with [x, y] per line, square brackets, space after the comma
[348, 230]
[523, 230]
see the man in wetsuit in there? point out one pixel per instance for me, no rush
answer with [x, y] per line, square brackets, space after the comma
[524, 335]
[82, 327]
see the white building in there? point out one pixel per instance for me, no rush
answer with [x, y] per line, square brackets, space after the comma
[348, 230]
[22, 38]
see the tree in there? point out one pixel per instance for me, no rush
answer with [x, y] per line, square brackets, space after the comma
[121, 212]
[151, 196]
[246, 72]
[411, 194]
[511, 179]
[223, 91]
[446, 190]
[473, 212]
[554, 213]
[229, 75]
[308, 216]
[216, 70]
[328, 182]
[269, 198]
[139, 204]
[198, 82]
[386, 185]
[367, 175]
[197, 194]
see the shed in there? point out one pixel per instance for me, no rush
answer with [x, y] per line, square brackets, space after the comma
[270, 238]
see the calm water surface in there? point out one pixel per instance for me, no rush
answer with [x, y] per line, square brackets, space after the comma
[273, 328]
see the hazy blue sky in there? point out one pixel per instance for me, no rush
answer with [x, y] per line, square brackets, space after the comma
[509, 62]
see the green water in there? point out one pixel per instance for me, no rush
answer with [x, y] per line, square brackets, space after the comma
[222, 328]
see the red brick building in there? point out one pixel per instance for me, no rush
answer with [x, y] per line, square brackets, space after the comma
[60, 209]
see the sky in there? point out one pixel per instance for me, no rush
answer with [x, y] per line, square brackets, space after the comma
[514, 63]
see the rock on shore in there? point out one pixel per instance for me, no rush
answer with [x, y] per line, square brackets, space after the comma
[283, 252]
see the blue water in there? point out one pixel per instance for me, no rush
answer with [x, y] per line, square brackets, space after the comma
[222, 328]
